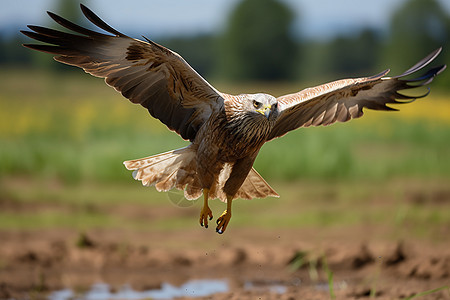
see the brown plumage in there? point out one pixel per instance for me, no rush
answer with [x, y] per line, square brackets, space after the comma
[226, 131]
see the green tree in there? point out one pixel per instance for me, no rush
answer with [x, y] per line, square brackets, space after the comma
[343, 56]
[70, 9]
[354, 55]
[257, 43]
[198, 51]
[416, 28]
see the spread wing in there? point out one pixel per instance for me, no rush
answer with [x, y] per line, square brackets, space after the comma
[342, 100]
[144, 72]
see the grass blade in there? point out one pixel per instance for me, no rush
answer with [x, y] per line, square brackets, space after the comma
[329, 277]
[428, 292]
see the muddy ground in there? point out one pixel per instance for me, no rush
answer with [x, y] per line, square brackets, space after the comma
[34, 263]
[369, 258]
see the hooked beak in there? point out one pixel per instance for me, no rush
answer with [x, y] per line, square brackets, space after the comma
[265, 110]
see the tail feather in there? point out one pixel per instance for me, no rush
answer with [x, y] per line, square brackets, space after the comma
[255, 186]
[167, 170]
[178, 169]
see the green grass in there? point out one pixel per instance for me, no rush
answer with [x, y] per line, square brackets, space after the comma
[335, 152]
[29, 203]
[418, 295]
[329, 274]
[63, 139]
[76, 128]
[45, 220]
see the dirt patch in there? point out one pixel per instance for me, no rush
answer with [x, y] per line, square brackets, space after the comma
[38, 262]
[385, 258]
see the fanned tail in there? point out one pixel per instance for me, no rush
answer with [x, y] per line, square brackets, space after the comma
[178, 169]
[167, 170]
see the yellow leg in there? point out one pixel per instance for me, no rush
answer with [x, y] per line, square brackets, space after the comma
[206, 211]
[224, 219]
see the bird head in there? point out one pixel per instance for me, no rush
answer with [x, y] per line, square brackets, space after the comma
[262, 105]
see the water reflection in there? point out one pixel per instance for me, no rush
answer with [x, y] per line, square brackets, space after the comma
[192, 288]
[272, 288]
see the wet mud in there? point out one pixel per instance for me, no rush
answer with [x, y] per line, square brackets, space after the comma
[249, 263]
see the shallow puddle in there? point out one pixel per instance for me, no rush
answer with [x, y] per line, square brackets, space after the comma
[102, 291]
[192, 288]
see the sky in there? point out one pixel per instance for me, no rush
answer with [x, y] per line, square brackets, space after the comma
[164, 18]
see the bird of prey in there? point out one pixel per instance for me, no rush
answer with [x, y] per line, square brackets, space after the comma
[226, 131]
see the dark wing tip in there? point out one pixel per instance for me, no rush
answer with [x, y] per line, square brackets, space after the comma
[25, 32]
[72, 26]
[53, 15]
[91, 16]
[421, 64]
[33, 35]
[425, 79]
[443, 67]
[45, 48]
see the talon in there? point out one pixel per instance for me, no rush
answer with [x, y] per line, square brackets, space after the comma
[204, 214]
[206, 211]
[222, 222]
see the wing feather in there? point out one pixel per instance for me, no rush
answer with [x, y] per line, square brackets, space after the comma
[343, 100]
[143, 71]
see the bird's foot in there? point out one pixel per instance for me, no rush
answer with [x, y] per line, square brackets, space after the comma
[222, 222]
[204, 214]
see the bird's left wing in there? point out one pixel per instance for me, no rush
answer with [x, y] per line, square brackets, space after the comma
[342, 100]
[144, 72]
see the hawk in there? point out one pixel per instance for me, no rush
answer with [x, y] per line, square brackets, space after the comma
[226, 131]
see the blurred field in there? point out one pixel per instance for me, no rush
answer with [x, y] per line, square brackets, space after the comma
[366, 184]
[76, 129]
[364, 206]
[64, 138]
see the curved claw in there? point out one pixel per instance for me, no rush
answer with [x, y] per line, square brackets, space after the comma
[204, 214]
[222, 222]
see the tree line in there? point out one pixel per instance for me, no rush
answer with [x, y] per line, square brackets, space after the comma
[257, 45]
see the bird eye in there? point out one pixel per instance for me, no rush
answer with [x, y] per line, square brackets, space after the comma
[257, 104]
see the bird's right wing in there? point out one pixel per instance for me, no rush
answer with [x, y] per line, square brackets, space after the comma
[144, 72]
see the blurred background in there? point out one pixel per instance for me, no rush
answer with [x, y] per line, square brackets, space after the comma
[61, 129]
[256, 40]
[64, 134]
[64, 129]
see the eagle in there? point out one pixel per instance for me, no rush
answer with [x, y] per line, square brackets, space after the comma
[225, 131]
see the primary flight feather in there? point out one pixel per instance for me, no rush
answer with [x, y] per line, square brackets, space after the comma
[226, 131]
